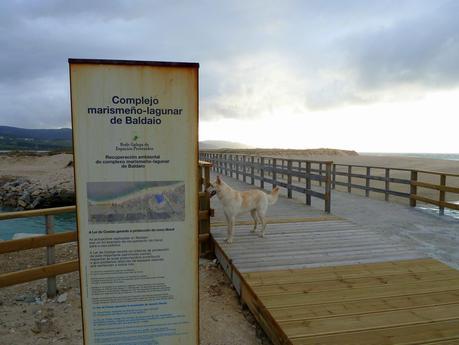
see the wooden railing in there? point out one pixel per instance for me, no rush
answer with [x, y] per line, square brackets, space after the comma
[205, 212]
[414, 185]
[51, 239]
[52, 269]
[292, 174]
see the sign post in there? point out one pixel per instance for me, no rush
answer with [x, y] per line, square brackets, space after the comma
[136, 163]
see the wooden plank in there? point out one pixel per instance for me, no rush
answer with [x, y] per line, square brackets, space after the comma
[263, 316]
[442, 188]
[360, 293]
[326, 260]
[296, 247]
[283, 220]
[35, 213]
[370, 306]
[19, 277]
[332, 262]
[351, 283]
[454, 341]
[286, 258]
[340, 324]
[37, 242]
[402, 335]
[204, 215]
[389, 267]
[303, 276]
[435, 202]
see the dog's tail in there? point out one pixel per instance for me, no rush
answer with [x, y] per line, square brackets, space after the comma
[273, 196]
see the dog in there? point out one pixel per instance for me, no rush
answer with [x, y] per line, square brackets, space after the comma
[236, 202]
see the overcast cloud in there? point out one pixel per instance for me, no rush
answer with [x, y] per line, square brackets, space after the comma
[257, 57]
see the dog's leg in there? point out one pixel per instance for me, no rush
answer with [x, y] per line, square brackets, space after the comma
[253, 213]
[261, 215]
[230, 229]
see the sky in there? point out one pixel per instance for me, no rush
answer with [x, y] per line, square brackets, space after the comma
[371, 76]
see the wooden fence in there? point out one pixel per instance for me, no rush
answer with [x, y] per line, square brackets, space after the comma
[286, 173]
[414, 185]
[51, 239]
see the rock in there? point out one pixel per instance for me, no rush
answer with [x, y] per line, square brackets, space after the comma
[29, 299]
[22, 203]
[25, 298]
[20, 298]
[35, 203]
[62, 298]
[25, 197]
[43, 325]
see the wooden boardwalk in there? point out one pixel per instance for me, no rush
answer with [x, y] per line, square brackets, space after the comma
[318, 279]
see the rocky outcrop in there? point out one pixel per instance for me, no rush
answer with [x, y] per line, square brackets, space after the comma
[23, 194]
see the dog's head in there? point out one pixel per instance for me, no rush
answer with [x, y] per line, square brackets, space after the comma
[215, 187]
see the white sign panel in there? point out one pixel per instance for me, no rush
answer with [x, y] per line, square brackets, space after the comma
[136, 155]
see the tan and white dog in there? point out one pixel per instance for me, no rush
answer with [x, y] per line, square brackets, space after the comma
[236, 202]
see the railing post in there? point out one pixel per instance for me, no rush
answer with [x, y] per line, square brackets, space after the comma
[308, 183]
[289, 179]
[237, 167]
[441, 208]
[349, 180]
[386, 196]
[244, 168]
[283, 167]
[262, 172]
[220, 163]
[299, 171]
[327, 198]
[367, 182]
[274, 172]
[231, 165]
[50, 257]
[206, 177]
[226, 164]
[413, 187]
[334, 176]
[252, 170]
[320, 174]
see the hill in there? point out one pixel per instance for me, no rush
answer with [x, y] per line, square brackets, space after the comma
[221, 144]
[290, 153]
[14, 138]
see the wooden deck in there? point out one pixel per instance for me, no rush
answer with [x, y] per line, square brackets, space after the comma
[398, 302]
[318, 279]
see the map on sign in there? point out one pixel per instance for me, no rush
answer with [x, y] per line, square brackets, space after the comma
[136, 202]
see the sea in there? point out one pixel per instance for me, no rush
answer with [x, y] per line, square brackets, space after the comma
[445, 156]
[67, 221]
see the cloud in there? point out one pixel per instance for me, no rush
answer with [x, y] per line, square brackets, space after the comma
[420, 52]
[257, 58]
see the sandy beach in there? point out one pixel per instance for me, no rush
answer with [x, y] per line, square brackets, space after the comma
[27, 317]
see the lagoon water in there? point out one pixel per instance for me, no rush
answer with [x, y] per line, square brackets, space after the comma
[35, 225]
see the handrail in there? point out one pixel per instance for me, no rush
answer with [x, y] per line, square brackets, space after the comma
[277, 172]
[36, 213]
[413, 181]
[399, 169]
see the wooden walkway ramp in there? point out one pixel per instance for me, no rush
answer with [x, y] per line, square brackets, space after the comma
[318, 279]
